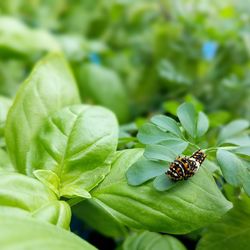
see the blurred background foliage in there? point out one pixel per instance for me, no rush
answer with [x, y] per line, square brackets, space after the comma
[136, 57]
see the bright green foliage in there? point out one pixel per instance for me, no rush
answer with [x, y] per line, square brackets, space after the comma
[149, 62]
[152, 241]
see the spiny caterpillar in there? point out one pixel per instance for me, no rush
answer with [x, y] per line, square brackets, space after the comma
[185, 167]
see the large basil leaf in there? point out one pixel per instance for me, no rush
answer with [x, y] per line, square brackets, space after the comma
[232, 231]
[171, 211]
[152, 241]
[101, 220]
[74, 149]
[100, 85]
[29, 196]
[49, 88]
[26, 234]
[16, 37]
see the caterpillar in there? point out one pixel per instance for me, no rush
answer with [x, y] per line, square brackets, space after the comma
[185, 167]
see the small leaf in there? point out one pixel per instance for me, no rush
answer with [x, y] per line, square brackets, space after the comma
[233, 129]
[144, 170]
[187, 116]
[202, 124]
[241, 140]
[166, 123]
[163, 183]
[236, 171]
[79, 190]
[242, 150]
[175, 145]
[49, 179]
[159, 152]
[152, 241]
[230, 165]
[151, 134]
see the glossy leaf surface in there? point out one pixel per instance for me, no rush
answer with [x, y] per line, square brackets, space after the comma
[144, 207]
[49, 88]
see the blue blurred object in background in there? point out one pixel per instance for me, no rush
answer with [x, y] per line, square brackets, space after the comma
[95, 58]
[209, 49]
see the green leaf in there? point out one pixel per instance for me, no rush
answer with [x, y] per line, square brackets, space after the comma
[101, 220]
[175, 145]
[242, 150]
[27, 233]
[49, 179]
[100, 85]
[163, 183]
[241, 140]
[67, 145]
[231, 232]
[187, 116]
[143, 207]
[151, 134]
[144, 170]
[49, 88]
[196, 124]
[202, 124]
[5, 104]
[167, 124]
[31, 197]
[235, 170]
[152, 241]
[230, 166]
[232, 130]
[17, 37]
[159, 152]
